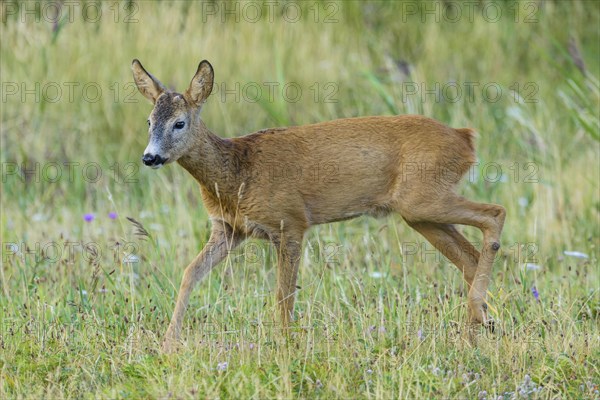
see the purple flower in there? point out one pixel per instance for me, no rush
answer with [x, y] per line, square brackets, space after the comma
[112, 215]
[535, 292]
[88, 217]
[222, 366]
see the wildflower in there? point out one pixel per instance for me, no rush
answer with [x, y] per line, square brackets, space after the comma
[222, 366]
[576, 254]
[532, 267]
[535, 293]
[420, 335]
[88, 217]
[112, 215]
[523, 202]
[465, 379]
[156, 227]
[131, 258]
[37, 217]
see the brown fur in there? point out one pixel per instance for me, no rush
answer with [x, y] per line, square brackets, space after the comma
[276, 183]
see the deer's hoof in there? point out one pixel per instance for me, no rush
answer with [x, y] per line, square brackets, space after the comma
[170, 345]
[478, 314]
[490, 325]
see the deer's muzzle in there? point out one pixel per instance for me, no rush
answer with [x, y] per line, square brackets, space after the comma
[154, 161]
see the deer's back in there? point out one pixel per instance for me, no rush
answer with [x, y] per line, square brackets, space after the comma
[339, 169]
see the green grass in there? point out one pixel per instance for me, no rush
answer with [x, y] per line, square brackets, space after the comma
[379, 313]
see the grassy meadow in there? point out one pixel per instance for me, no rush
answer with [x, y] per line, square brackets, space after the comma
[86, 294]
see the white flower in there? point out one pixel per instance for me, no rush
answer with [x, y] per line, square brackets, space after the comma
[131, 258]
[13, 248]
[523, 202]
[156, 227]
[37, 217]
[576, 254]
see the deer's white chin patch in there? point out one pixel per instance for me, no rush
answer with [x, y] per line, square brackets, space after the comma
[156, 166]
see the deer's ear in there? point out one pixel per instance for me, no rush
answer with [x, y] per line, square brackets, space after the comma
[201, 84]
[148, 85]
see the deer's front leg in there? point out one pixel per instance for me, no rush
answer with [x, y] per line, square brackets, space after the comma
[288, 260]
[222, 240]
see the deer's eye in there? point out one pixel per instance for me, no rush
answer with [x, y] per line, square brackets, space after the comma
[179, 125]
[148, 122]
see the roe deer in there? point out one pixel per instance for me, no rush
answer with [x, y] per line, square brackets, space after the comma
[376, 172]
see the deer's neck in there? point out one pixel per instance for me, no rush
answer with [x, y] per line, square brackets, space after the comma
[212, 161]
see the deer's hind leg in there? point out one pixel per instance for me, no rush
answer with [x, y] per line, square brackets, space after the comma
[453, 245]
[453, 209]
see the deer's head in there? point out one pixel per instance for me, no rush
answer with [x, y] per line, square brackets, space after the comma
[173, 123]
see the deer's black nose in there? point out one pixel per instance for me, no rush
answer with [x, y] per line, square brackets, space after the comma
[153, 160]
[149, 159]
